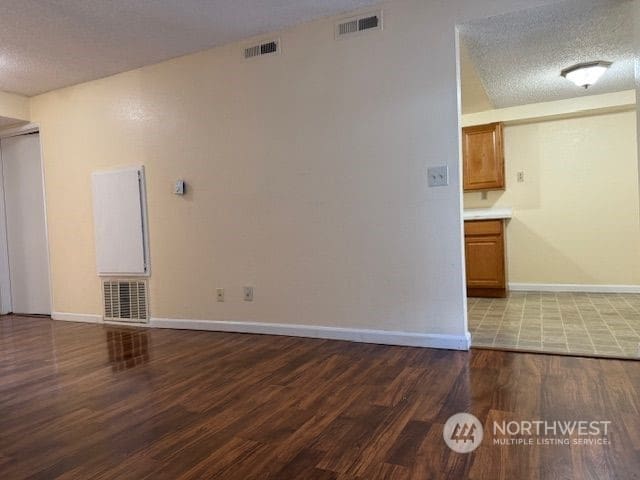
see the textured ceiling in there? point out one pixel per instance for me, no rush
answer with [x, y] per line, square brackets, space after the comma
[46, 45]
[519, 56]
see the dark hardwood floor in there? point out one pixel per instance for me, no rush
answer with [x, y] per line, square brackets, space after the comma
[87, 401]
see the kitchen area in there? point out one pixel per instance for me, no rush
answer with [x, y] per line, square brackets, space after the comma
[550, 180]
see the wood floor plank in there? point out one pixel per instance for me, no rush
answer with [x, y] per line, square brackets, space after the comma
[80, 401]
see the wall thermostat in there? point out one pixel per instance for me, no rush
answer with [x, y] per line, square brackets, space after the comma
[179, 187]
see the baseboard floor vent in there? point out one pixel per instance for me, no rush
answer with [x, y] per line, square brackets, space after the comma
[348, 27]
[125, 301]
[266, 48]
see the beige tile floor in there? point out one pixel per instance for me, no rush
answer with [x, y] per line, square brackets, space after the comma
[569, 323]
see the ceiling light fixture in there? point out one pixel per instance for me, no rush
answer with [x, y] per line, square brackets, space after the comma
[585, 74]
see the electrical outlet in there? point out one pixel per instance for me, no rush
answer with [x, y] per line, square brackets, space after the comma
[438, 176]
[520, 177]
[248, 294]
[220, 294]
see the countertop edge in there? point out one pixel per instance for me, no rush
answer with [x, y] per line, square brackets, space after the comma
[488, 214]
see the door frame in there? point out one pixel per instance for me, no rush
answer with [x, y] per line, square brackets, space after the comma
[5, 277]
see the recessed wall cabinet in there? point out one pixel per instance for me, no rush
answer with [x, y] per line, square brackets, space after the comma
[484, 242]
[483, 157]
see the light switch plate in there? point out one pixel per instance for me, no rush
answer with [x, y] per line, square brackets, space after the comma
[178, 188]
[438, 176]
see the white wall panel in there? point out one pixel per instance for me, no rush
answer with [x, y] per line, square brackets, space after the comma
[119, 219]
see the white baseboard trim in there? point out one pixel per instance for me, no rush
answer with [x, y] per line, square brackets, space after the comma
[126, 324]
[77, 317]
[384, 337]
[569, 287]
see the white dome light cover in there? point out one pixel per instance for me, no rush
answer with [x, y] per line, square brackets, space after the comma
[586, 74]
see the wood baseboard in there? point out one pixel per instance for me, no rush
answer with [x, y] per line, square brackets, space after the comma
[487, 292]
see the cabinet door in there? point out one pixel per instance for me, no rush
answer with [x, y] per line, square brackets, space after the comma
[483, 157]
[484, 254]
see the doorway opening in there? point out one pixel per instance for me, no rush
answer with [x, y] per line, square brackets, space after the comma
[24, 255]
[551, 198]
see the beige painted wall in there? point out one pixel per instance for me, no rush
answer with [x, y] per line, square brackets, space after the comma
[474, 95]
[576, 216]
[14, 106]
[306, 175]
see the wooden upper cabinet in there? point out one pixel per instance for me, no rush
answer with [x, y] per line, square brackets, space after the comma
[483, 157]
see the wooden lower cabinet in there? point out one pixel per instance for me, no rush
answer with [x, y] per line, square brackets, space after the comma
[484, 242]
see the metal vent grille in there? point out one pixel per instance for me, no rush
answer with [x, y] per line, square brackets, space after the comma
[355, 25]
[266, 48]
[348, 27]
[252, 51]
[367, 23]
[271, 47]
[125, 300]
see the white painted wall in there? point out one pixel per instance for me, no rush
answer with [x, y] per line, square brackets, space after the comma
[307, 176]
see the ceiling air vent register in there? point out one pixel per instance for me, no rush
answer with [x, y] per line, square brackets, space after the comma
[348, 27]
[266, 48]
[125, 301]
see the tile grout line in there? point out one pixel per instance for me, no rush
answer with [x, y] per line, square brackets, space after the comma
[521, 321]
[504, 312]
[630, 327]
[484, 316]
[584, 323]
[564, 329]
[595, 349]
[613, 333]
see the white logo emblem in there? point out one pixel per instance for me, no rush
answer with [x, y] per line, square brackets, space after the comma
[463, 433]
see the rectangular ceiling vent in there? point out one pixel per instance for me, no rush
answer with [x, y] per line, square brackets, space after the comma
[348, 27]
[125, 301]
[261, 49]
